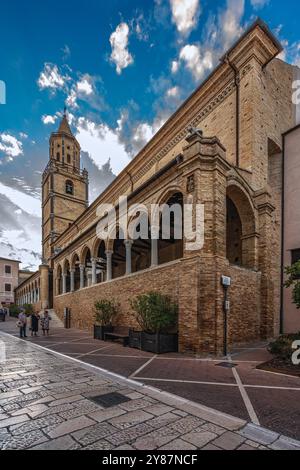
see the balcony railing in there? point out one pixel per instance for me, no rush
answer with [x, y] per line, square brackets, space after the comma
[59, 166]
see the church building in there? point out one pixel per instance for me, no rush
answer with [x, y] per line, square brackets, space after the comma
[222, 148]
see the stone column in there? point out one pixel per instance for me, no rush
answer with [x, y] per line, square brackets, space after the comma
[72, 280]
[154, 246]
[94, 271]
[109, 255]
[82, 269]
[44, 273]
[128, 244]
[64, 283]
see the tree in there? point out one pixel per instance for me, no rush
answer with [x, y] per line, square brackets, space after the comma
[293, 281]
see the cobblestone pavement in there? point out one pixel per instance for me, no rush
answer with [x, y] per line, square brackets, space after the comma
[48, 402]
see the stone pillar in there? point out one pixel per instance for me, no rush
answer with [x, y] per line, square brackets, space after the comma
[109, 255]
[128, 244]
[82, 270]
[44, 274]
[154, 246]
[94, 271]
[72, 280]
[204, 173]
[64, 283]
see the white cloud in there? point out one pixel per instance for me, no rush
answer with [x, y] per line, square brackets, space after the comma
[11, 146]
[185, 14]
[102, 143]
[257, 4]
[173, 92]
[196, 62]
[27, 203]
[85, 85]
[71, 100]
[51, 78]
[230, 20]
[47, 119]
[175, 66]
[119, 44]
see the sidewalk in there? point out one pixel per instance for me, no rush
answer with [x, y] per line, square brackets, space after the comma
[52, 402]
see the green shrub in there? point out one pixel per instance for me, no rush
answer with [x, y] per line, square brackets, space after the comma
[14, 311]
[28, 309]
[293, 281]
[105, 312]
[282, 346]
[155, 313]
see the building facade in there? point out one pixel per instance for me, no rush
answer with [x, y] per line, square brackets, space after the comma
[291, 222]
[9, 280]
[232, 167]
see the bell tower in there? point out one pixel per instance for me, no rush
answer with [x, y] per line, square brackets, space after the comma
[64, 188]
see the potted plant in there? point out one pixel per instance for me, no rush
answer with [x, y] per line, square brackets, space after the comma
[157, 316]
[105, 313]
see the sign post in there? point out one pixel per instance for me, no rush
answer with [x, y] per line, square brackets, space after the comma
[226, 283]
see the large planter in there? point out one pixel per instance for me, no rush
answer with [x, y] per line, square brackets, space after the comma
[135, 339]
[159, 343]
[99, 331]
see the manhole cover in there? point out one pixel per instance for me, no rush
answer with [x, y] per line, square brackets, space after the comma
[228, 365]
[110, 399]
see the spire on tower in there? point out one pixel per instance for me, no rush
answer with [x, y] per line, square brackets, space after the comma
[64, 125]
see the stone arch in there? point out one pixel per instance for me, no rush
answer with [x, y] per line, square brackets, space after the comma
[59, 272]
[241, 233]
[86, 262]
[171, 249]
[74, 259]
[75, 267]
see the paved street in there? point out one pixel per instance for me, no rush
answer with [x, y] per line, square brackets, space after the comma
[47, 399]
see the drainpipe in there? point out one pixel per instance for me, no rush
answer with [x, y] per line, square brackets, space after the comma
[282, 238]
[237, 111]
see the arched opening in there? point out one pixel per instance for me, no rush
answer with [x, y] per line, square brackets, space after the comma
[240, 229]
[233, 234]
[76, 269]
[141, 247]
[69, 187]
[119, 256]
[59, 281]
[170, 243]
[101, 263]
[87, 262]
[67, 272]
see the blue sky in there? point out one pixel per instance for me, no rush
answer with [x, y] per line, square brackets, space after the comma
[121, 67]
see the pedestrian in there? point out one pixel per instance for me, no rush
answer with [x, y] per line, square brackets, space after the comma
[22, 323]
[45, 322]
[34, 323]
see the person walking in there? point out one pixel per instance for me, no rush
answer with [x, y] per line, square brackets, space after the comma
[45, 322]
[22, 323]
[34, 324]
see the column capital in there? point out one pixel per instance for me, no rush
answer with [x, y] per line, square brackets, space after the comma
[109, 252]
[128, 242]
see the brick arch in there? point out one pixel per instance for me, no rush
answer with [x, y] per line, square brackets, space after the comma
[66, 264]
[241, 226]
[75, 256]
[164, 196]
[83, 253]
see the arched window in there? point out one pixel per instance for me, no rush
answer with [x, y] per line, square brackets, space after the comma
[69, 187]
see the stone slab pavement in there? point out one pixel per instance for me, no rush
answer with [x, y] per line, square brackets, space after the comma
[47, 401]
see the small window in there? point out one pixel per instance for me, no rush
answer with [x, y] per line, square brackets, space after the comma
[7, 269]
[58, 156]
[295, 256]
[7, 287]
[69, 187]
[69, 158]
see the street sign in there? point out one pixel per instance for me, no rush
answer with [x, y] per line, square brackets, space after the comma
[226, 281]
